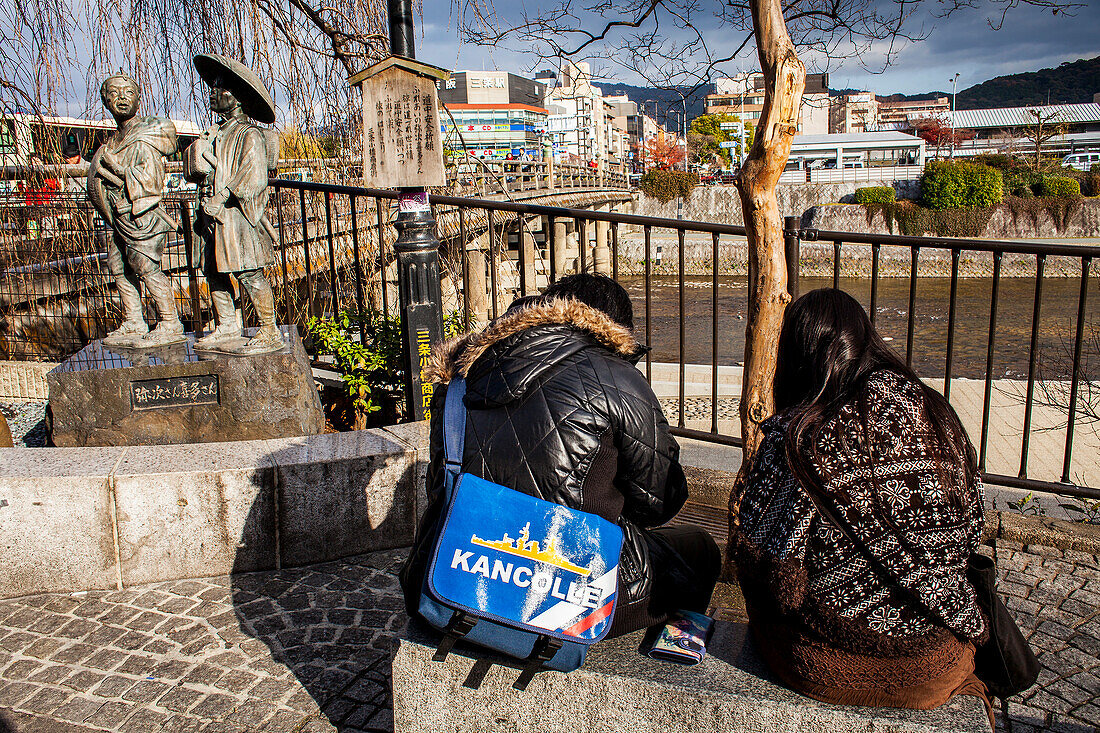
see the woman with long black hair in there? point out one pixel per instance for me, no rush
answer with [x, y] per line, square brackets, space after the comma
[852, 530]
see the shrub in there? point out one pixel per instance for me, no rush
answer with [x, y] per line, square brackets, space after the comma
[1059, 187]
[1091, 186]
[875, 195]
[370, 366]
[914, 220]
[951, 185]
[665, 185]
[1023, 192]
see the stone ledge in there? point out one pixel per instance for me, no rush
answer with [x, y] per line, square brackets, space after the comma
[711, 489]
[620, 690]
[96, 518]
[1044, 531]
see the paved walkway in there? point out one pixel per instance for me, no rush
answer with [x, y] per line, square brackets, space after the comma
[307, 650]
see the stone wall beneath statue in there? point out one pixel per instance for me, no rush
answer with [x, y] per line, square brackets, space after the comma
[170, 395]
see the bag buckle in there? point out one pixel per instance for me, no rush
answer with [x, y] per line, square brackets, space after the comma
[459, 625]
[545, 649]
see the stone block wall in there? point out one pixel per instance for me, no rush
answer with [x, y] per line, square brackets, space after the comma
[722, 204]
[95, 518]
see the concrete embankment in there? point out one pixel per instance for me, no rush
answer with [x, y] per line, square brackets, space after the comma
[1081, 221]
[723, 204]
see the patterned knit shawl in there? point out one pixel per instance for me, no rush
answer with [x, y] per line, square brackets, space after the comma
[796, 563]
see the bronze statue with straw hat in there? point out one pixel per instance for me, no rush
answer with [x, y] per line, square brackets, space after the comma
[231, 162]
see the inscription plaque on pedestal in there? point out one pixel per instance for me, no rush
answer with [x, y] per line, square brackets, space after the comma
[149, 394]
[173, 394]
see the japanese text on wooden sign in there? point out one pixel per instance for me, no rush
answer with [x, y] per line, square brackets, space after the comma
[401, 138]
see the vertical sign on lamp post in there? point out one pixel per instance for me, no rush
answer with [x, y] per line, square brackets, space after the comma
[403, 149]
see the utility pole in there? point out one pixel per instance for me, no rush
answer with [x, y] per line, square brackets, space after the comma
[954, 87]
[417, 248]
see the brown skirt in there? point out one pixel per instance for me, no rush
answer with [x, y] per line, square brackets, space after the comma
[919, 682]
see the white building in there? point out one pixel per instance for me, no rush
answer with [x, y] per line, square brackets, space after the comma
[743, 95]
[581, 122]
[853, 114]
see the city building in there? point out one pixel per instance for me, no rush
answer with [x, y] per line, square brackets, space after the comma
[902, 114]
[497, 114]
[743, 95]
[853, 113]
[639, 128]
[1001, 121]
[581, 122]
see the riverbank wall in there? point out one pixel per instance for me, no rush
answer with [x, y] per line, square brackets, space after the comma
[817, 260]
[829, 206]
[722, 204]
[1082, 221]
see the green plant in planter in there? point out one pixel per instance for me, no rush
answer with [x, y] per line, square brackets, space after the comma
[375, 364]
[875, 195]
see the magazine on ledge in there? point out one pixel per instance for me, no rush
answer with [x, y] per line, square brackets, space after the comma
[684, 638]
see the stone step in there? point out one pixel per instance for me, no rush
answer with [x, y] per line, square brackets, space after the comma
[619, 689]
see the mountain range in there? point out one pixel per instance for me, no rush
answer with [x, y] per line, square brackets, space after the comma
[1072, 82]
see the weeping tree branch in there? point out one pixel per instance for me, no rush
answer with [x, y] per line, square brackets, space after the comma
[670, 44]
[54, 53]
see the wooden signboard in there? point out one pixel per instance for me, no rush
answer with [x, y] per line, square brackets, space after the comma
[402, 143]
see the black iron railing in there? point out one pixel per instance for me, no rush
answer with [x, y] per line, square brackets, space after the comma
[538, 255]
[1041, 252]
[1003, 317]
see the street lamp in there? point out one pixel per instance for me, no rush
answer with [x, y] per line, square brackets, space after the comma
[954, 87]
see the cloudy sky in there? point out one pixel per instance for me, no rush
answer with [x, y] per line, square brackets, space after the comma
[1031, 39]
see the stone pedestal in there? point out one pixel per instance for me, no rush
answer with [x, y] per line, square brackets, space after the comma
[173, 394]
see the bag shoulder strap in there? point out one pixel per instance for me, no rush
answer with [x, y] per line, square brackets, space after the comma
[454, 426]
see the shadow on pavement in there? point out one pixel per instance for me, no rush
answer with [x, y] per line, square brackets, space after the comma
[331, 624]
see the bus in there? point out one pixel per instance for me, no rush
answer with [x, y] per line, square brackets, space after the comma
[26, 136]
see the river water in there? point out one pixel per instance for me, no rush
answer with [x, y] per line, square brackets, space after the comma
[1057, 321]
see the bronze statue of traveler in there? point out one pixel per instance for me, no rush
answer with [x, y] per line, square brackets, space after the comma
[230, 161]
[126, 186]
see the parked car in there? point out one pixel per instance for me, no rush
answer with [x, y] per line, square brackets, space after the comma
[177, 183]
[1081, 161]
[298, 174]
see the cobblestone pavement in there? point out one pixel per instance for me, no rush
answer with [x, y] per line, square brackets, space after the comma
[1054, 595]
[307, 650]
[291, 650]
[27, 421]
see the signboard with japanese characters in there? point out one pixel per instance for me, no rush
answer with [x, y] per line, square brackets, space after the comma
[402, 145]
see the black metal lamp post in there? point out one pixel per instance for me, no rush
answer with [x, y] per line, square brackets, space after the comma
[417, 248]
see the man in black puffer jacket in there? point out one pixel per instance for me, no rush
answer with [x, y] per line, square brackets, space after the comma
[556, 408]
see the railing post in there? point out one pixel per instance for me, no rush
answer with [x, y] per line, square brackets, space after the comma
[791, 253]
[192, 274]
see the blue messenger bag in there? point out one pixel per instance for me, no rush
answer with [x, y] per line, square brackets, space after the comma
[531, 579]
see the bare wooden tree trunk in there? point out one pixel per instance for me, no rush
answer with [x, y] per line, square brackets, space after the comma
[784, 79]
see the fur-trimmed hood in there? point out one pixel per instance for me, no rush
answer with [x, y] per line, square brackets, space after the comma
[457, 356]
